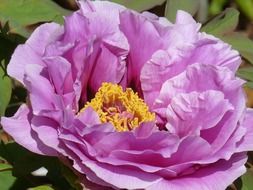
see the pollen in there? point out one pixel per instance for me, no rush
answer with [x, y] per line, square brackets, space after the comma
[124, 109]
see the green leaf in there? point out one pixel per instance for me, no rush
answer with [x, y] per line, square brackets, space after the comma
[223, 23]
[249, 84]
[8, 42]
[222, 26]
[42, 187]
[246, 7]
[4, 167]
[247, 182]
[172, 6]
[139, 5]
[7, 180]
[5, 92]
[246, 73]
[241, 43]
[22, 15]
[216, 6]
[27, 162]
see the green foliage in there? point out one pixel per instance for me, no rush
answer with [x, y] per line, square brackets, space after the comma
[19, 17]
[246, 6]
[23, 15]
[5, 92]
[139, 5]
[216, 6]
[241, 43]
[246, 73]
[6, 180]
[247, 180]
[42, 187]
[18, 171]
[222, 24]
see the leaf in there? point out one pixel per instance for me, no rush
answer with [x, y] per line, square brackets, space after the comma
[241, 43]
[23, 14]
[250, 85]
[246, 73]
[6, 180]
[172, 6]
[139, 5]
[223, 23]
[8, 42]
[222, 26]
[247, 182]
[27, 162]
[42, 187]
[216, 6]
[5, 92]
[4, 167]
[246, 7]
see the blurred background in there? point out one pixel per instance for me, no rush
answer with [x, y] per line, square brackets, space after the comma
[229, 20]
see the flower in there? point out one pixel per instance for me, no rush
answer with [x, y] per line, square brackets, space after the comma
[133, 101]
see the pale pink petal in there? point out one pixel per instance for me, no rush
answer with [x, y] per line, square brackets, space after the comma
[19, 127]
[32, 51]
[217, 176]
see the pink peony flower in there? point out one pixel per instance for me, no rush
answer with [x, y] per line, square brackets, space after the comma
[133, 101]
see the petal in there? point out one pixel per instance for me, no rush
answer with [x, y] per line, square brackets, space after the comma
[47, 131]
[161, 142]
[247, 142]
[32, 51]
[150, 39]
[145, 130]
[19, 128]
[122, 177]
[213, 51]
[217, 176]
[189, 113]
[216, 78]
[59, 70]
[180, 38]
[42, 95]
[192, 79]
[180, 160]
[187, 46]
[88, 117]
[99, 46]
[43, 36]
[105, 8]
[108, 68]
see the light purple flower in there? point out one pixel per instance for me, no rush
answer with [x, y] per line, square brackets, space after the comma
[201, 131]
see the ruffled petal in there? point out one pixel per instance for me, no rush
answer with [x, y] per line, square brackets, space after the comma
[19, 127]
[218, 79]
[246, 144]
[32, 51]
[59, 70]
[187, 46]
[189, 113]
[150, 39]
[47, 131]
[126, 178]
[216, 176]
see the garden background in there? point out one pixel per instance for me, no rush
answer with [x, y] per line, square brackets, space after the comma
[229, 20]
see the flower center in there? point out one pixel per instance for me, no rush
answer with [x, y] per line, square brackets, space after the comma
[124, 109]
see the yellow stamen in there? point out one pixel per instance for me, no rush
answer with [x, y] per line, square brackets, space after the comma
[125, 110]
